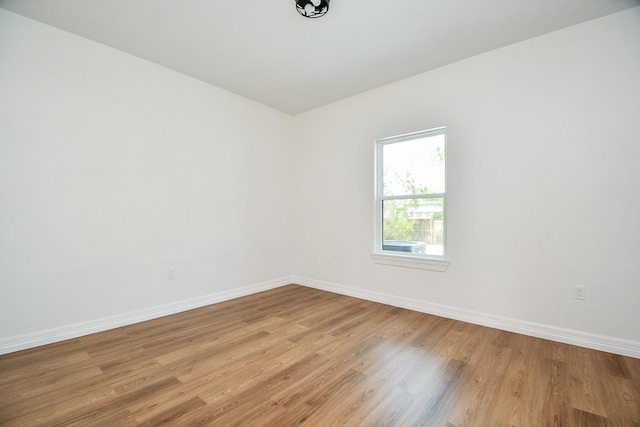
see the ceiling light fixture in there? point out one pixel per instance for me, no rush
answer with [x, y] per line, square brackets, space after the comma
[312, 8]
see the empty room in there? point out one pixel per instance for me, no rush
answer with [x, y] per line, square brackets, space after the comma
[320, 213]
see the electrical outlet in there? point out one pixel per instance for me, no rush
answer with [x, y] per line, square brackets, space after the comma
[328, 261]
[171, 273]
[579, 292]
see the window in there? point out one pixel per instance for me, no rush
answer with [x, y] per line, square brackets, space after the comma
[410, 222]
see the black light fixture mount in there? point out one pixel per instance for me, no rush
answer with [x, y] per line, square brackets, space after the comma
[312, 8]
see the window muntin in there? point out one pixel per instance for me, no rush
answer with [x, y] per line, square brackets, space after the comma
[410, 194]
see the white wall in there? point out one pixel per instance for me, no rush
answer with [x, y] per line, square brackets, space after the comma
[113, 169]
[543, 181]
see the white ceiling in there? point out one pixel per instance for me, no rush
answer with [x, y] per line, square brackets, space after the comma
[265, 51]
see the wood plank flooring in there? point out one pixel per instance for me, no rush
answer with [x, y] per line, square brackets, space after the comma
[300, 356]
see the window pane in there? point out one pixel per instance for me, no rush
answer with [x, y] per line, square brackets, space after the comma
[414, 225]
[414, 167]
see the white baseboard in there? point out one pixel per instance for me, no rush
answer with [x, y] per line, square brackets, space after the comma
[553, 333]
[22, 342]
[568, 336]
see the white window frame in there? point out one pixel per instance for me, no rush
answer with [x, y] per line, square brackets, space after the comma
[411, 260]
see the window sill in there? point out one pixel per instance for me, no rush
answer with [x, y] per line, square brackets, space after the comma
[433, 264]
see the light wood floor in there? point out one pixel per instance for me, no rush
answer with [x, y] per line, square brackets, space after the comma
[300, 356]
